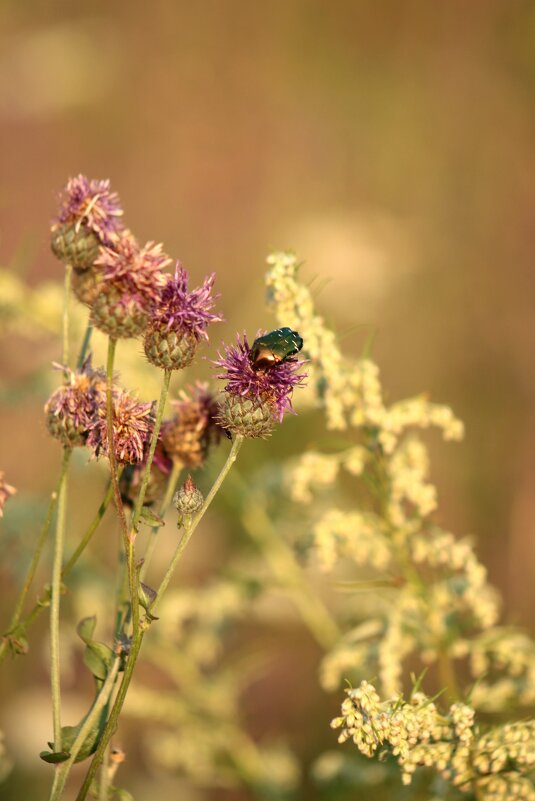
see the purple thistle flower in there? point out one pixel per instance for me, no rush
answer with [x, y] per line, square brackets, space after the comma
[71, 409]
[181, 310]
[132, 428]
[134, 272]
[274, 385]
[93, 204]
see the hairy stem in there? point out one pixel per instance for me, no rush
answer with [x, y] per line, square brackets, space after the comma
[63, 770]
[166, 503]
[15, 619]
[55, 602]
[137, 640]
[154, 439]
[127, 539]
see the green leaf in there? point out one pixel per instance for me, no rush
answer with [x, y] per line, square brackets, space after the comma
[98, 656]
[150, 517]
[124, 795]
[54, 757]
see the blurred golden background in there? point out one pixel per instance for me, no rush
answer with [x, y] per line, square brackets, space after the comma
[389, 144]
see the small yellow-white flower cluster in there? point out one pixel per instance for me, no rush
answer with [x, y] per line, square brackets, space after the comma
[417, 734]
[359, 535]
[503, 661]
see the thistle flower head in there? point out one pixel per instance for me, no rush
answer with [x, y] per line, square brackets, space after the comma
[194, 428]
[92, 203]
[6, 491]
[187, 311]
[132, 278]
[134, 272]
[71, 409]
[132, 428]
[274, 385]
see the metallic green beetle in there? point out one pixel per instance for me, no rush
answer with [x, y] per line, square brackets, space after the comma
[274, 348]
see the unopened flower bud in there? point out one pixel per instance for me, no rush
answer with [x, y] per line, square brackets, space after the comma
[188, 499]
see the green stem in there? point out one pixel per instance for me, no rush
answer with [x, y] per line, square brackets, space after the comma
[63, 770]
[236, 445]
[166, 503]
[137, 640]
[44, 598]
[448, 679]
[65, 323]
[31, 572]
[127, 539]
[55, 602]
[285, 567]
[85, 346]
[156, 430]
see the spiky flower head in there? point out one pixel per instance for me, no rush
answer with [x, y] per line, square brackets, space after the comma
[132, 428]
[71, 409]
[179, 321]
[89, 216]
[254, 400]
[132, 278]
[193, 429]
[188, 499]
[6, 491]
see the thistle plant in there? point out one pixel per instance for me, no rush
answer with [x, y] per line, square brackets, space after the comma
[129, 295]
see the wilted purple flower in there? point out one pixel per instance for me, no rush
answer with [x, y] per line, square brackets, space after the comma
[132, 428]
[194, 427]
[6, 491]
[71, 409]
[92, 203]
[274, 385]
[134, 271]
[132, 279]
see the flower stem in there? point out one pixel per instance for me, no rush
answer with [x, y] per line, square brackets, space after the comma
[137, 640]
[236, 445]
[55, 602]
[152, 448]
[31, 573]
[44, 598]
[127, 539]
[63, 770]
[166, 503]
[65, 322]
[85, 346]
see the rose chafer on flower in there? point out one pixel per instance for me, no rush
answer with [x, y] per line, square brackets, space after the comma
[255, 398]
[132, 422]
[132, 279]
[71, 409]
[89, 216]
[179, 321]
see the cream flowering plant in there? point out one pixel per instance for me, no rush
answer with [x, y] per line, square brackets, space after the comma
[434, 691]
